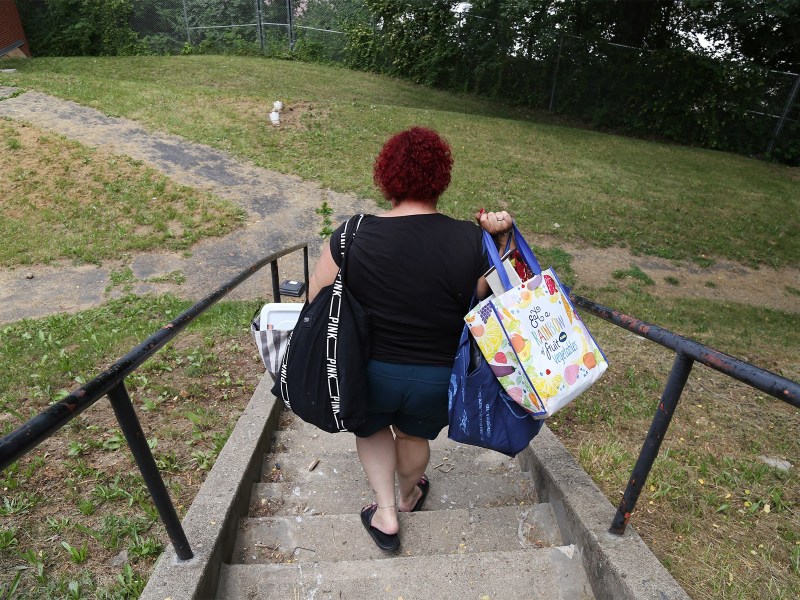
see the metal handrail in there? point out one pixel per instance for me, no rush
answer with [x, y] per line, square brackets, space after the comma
[112, 383]
[687, 352]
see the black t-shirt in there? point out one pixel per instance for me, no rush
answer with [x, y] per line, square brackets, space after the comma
[415, 276]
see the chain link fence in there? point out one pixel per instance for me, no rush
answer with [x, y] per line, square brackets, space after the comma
[682, 96]
[779, 108]
[308, 29]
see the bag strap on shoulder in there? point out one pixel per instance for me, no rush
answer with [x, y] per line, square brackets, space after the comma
[348, 235]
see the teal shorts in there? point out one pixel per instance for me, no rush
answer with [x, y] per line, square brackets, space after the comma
[412, 397]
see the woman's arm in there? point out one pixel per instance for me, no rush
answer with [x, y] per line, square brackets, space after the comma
[483, 289]
[324, 273]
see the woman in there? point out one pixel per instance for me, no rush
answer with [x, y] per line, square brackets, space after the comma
[415, 271]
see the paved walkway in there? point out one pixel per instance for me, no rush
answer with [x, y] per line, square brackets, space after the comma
[280, 212]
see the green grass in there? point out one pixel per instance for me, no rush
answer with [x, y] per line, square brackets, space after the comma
[661, 199]
[722, 521]
[767, 337]
[77, 500]
[62, 200]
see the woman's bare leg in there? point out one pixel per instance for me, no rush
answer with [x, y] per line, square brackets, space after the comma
[412, 457]
[377, 456]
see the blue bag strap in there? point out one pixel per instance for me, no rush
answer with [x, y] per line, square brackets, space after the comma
[515, 409]
[522, 246]
[525, 250]
[494, 259]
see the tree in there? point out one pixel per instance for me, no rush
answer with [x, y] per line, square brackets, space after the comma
[761, 31]
[416, 38]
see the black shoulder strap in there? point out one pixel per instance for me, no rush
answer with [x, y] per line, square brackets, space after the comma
[348, 234]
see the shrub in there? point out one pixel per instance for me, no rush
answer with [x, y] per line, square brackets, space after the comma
[80, 27]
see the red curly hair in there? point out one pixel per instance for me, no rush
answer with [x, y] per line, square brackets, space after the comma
[413, 164]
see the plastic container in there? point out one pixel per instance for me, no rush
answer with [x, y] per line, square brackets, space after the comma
[280, 315]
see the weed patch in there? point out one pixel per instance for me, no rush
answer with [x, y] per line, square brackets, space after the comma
[325, 211]
[634, 273]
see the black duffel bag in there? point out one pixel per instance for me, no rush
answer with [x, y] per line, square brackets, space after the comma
[322, 377]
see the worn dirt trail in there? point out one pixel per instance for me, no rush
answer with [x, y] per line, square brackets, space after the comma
[281, 213]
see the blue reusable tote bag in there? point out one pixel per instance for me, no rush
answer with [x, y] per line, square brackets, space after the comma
[480, 412]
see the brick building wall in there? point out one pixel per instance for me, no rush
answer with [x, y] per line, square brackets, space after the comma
[11, 31]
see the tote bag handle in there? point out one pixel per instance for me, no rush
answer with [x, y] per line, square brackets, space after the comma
[522, 246]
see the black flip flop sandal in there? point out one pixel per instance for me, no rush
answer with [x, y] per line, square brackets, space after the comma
[385, 541]
[425, 485]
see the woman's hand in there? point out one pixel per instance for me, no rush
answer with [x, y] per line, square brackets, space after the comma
[495, 223]
[499, 225]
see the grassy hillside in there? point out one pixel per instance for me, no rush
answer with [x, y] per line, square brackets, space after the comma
[62, 200]
[724, 522]
[654, 198]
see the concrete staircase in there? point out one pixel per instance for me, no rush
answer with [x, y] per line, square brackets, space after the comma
[481, 535]
[266, 525]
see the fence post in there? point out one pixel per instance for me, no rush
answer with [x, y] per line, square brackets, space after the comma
[186, 21]
[290, 25]
[786, 109]
[555, 74]
[259, 25]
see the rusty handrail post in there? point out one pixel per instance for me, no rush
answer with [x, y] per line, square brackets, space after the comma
[681, 368]
[687, 352]
[305, 271]
[137, 442]
[276, 285]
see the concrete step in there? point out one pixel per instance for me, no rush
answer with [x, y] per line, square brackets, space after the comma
[342, 537]
[346, 496]
[460, 478]
[300, 435]
[315, 466]
[481, 533]
[532, 574]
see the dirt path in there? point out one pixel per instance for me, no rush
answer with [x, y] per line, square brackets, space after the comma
[724, 281]
[281, 213]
